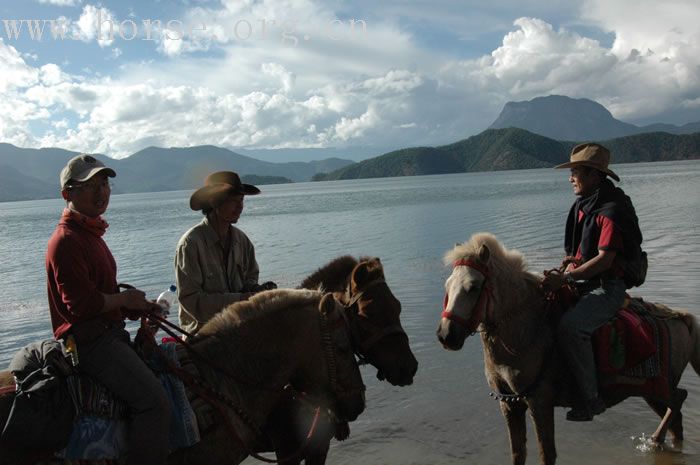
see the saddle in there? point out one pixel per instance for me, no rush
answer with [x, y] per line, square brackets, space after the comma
[631, 350]
[96, 427]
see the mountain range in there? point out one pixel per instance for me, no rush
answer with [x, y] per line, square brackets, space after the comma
[33, 173]
[511, 149]
[533, 134]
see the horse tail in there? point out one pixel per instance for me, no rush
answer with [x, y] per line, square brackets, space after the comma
[692, 323]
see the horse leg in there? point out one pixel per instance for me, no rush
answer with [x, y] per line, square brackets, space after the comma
[317, 456]
[514, 413]
[542, 415]
[671, 417]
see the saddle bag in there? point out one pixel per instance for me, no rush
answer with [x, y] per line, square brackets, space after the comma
[636, 270]
[42, 411]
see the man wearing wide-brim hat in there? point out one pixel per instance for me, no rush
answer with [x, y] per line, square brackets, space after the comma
[215, 261]
[601, 240]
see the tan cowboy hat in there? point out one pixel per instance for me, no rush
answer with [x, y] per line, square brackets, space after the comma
[218, 184]
[593, 155]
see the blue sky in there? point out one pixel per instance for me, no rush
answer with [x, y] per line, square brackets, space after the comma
[297, 73]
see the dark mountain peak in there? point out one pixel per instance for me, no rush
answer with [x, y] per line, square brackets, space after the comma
[575, 119]
[563, 118]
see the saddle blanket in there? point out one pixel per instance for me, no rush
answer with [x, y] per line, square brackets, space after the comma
[100, 430]
[632, 352]
[626, 342]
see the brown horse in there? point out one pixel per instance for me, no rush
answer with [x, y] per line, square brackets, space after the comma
[375, 329]
[490, 291]
[257, 348]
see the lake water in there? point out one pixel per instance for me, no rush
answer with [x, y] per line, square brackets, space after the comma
[446, 416]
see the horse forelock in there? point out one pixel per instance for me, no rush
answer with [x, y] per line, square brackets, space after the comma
[260, 306]
[504, 265]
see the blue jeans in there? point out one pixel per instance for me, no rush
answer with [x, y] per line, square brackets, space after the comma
[592, 311]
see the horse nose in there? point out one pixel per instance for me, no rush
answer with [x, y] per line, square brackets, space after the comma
[441, 334]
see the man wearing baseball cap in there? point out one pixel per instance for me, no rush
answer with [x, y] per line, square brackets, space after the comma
[215, 261]
[602, 235]
[86, 305]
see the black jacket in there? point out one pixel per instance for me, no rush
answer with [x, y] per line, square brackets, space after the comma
[613, 203]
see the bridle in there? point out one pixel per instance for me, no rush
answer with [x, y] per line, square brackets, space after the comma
[328, 328]
[377, 332]
[482, 304]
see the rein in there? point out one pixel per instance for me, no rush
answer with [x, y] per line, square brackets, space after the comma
[483, 303]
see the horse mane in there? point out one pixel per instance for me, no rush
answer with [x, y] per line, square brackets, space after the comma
[247, 335]
[260, 306]
[507, 266]
[333, 276]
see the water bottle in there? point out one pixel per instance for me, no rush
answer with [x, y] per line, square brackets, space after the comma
[167, 299]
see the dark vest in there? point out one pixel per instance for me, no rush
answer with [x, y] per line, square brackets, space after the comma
[613, 203]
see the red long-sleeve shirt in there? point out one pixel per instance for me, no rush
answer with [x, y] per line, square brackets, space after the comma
[79, 269]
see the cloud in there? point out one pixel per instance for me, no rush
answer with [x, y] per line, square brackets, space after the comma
[278, 71]
[649, 25]
[383, 87]
[97, 23]
[61, 2]
[14, 71]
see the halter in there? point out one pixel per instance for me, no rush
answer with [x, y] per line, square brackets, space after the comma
[378, 333]
[482, 304]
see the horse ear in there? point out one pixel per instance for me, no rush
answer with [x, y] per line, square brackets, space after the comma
[360, 274]
[366, 271]
[484, 253]
[327, 304]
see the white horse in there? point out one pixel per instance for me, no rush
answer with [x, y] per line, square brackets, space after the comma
[490, 291]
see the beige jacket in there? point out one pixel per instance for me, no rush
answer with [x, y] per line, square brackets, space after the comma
[204, 287]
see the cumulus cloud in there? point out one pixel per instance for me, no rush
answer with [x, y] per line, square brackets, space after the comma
[658, 45]
[96, 23]
[278, 72]
[14, 71]
[384, 88]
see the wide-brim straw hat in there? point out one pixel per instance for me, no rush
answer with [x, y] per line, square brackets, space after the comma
[593, 155]
[217, 185]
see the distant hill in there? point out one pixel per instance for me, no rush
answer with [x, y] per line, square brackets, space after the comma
[17, 186]
[354, 153]
[564, 118]
[33, 173]
[262, 180]
[512, 148]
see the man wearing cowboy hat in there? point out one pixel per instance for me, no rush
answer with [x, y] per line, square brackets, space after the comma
[215, 261]
[602, 234]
